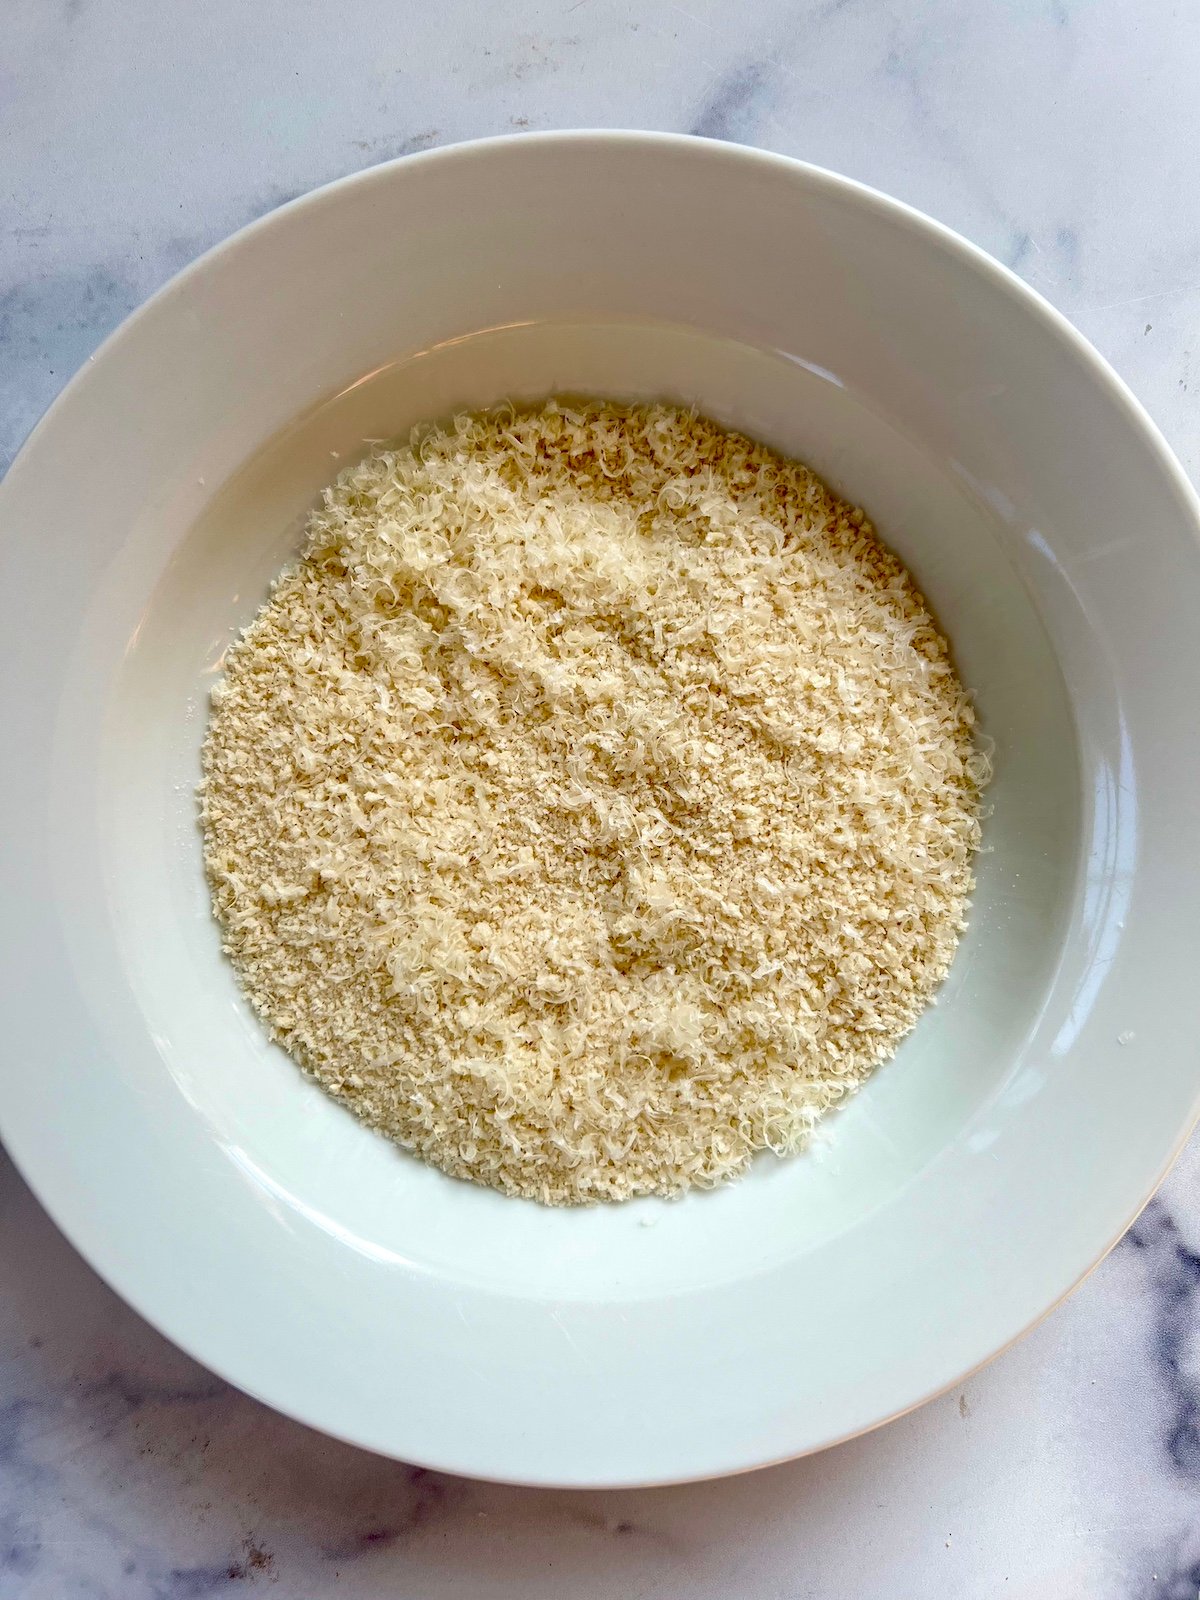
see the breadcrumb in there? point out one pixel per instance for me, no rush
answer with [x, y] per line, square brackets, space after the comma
[593, 804]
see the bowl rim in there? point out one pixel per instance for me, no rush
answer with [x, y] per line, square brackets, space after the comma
[66, 1215]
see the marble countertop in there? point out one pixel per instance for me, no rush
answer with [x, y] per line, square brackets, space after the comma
[1059, 134]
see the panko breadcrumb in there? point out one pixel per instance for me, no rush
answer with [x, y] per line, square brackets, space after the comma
[593, 804]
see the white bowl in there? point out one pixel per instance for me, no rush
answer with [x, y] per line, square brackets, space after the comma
[972, 1182]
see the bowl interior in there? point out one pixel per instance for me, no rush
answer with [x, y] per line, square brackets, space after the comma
[310, 1154]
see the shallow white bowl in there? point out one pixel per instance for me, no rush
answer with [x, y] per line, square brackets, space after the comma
[976, 1178]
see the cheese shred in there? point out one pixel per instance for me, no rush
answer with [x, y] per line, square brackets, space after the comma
[593, 804]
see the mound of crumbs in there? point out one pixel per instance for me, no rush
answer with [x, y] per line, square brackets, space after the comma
[593, 804]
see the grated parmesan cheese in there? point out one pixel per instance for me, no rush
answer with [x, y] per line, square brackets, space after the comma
[593, 804]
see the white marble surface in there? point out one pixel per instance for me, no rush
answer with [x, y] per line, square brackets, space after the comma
[1059, 134]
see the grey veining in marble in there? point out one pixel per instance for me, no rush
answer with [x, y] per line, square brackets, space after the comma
[1059, 134]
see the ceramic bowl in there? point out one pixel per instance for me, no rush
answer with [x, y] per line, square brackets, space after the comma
[977, 1177]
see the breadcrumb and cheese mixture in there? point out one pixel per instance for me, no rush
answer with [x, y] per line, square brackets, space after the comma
[593, 804]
